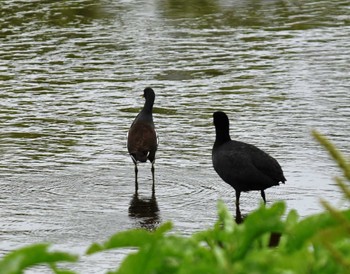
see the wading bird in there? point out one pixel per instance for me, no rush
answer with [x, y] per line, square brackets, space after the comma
[142, 140]
[243, 166]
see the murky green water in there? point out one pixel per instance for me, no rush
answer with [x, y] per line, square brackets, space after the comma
[71, 76]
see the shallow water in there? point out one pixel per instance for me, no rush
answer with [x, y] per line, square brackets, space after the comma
[70, 84]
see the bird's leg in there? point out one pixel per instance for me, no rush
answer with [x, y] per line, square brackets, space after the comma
[136, 171]
[263, 196]
[238, 210]
[152, 169]
[238, 194]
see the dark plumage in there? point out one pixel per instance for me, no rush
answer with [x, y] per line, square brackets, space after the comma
[243, 166]
[142, 138]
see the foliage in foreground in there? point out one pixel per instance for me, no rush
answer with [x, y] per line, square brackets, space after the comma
[317, 244]
[19, 260]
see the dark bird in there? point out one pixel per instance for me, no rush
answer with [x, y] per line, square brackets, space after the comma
[243, 166]
[142, 137]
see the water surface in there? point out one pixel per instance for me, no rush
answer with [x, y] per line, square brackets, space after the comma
[71, 76]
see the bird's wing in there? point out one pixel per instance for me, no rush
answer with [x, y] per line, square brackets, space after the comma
[266, 164]
[251, 164]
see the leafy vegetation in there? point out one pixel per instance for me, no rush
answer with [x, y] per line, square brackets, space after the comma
[317, 244]
[23, 258]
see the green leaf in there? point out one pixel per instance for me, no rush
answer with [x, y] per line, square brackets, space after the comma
[61, 271]
[306, 229]
[225, 218]
[260, 222]
[130, 238]
[334, 152]
[19, 260]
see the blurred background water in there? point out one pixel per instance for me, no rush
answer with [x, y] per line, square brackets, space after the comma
[71, 76]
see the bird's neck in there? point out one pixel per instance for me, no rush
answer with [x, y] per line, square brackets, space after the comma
[148, 107]
[146, 114]
[222, 136]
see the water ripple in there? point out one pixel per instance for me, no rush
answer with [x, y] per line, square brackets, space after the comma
[71, 80]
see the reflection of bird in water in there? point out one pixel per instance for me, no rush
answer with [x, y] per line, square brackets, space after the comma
[142, 138]
[243, 166]
[145, 210]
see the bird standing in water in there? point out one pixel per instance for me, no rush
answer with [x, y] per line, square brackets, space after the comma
[243, 166]
[142, 140]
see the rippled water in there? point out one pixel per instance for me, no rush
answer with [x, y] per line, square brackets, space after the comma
[71, 76]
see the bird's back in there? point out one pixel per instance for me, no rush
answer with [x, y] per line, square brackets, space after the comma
[142, 139]
[246, 167]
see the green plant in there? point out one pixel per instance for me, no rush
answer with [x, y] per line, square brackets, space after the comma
[317, 244]
[19, 260]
